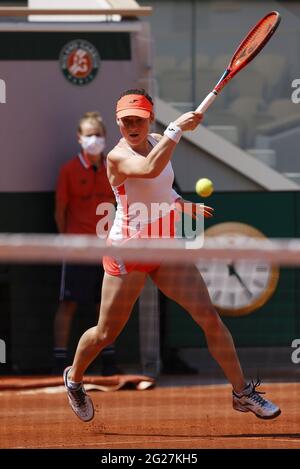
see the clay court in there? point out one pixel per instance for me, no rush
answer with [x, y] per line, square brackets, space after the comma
[163, 417]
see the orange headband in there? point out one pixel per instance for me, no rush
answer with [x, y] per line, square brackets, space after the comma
[134, 105]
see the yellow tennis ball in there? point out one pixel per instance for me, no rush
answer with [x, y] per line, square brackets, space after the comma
[204, 187]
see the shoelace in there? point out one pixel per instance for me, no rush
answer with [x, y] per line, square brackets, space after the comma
[255, 395]
[79, 396]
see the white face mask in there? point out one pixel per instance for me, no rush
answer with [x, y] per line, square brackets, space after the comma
[93, 145]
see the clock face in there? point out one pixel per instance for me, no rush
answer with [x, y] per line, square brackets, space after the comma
[241, 286]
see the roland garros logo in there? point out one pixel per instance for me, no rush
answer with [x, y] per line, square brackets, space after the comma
[79, 61]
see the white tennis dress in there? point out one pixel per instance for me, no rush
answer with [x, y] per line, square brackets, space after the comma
[141, 201]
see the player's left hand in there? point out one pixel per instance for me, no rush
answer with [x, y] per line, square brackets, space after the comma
[193, 209]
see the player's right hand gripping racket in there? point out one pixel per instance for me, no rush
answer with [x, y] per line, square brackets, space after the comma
[253, 43]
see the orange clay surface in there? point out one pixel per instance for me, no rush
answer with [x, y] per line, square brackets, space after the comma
[163, 417]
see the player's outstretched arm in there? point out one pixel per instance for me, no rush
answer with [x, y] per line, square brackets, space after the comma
[159, 156]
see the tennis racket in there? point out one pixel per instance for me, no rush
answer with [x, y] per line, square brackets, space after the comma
[253, 43]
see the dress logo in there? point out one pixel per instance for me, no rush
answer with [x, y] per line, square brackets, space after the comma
[79, 61]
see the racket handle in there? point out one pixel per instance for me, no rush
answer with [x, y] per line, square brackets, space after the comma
[206, 102]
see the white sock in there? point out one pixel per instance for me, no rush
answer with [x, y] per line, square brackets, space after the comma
[73, 384]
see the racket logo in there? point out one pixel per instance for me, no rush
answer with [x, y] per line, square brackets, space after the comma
[252, 48]
[79, 61]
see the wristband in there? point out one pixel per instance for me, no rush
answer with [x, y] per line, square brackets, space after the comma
[173, 132]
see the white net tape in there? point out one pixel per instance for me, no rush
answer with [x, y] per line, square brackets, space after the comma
[32, 248]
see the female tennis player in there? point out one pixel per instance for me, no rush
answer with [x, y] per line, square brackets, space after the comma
[140, 171]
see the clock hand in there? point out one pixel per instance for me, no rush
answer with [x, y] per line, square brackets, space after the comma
[232, 271]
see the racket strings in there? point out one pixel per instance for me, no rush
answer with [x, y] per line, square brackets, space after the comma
[255, 40]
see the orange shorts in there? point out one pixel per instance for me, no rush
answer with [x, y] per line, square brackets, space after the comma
[156, 229]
